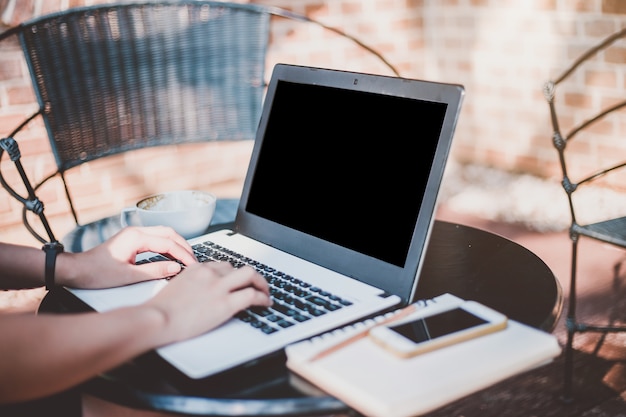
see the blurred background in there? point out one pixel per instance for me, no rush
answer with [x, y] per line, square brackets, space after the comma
[503, 166]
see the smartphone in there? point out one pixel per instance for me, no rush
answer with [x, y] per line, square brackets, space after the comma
[413, 336]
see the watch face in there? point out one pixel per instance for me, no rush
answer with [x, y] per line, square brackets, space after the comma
[54, 246]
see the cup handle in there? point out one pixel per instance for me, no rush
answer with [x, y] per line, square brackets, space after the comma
[123, 215]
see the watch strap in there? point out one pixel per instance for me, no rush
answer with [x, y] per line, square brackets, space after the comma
[51, 249]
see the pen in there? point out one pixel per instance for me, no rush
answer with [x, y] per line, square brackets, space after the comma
[399, 315]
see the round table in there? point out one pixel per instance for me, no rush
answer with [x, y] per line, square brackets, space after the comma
[470, 263]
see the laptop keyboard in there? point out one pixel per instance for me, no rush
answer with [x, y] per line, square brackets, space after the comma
[295, 301]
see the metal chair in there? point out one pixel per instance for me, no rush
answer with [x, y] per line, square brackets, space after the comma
[116, 78]
[611, 230]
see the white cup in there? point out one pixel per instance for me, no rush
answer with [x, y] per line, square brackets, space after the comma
[188, 212]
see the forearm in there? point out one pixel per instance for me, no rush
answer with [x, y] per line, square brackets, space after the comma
[107, 265]
[21, 266]
[49, 353]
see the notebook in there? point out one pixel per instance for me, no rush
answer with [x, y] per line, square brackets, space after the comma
[391, 386]
[340, 193]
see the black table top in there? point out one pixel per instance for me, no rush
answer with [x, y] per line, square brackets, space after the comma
[470, 263]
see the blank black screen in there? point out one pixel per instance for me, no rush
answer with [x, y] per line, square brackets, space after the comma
[438, 325]
[346, 166]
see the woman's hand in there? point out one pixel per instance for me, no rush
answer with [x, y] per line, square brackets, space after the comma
[204, 296]
[112, 263]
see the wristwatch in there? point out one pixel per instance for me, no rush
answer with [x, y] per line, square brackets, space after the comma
[52, 249]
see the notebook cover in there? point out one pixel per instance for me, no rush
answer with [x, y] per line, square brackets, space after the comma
[376, 383]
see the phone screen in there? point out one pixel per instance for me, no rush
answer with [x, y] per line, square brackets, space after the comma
[438, 325]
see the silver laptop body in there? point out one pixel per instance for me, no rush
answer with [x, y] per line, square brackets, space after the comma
[340, 194]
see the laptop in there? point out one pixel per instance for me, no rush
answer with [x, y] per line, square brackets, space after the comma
[336, 210]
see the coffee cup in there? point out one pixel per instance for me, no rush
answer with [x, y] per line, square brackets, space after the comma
[188, 212]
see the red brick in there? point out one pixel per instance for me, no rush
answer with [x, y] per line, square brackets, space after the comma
[548, 5]
[10, 69]
[21, 95]
[580, 100]
[601, 78]
[77, 3]
[366, 28]
[532, 164]
[613, 6]
[55, 6]
[23, 11]
[615, 55]
[414, 4]
[317, 11]
[351, 7]
[9, 122]
[579, 6]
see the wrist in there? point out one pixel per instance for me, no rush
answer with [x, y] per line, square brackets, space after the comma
[68, 270]
[154, 322]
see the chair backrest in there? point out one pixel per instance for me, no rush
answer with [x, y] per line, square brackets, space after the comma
[113, 78]
[580, 126]
[118, 78]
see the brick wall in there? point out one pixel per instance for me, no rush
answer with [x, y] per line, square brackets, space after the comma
[501, 51]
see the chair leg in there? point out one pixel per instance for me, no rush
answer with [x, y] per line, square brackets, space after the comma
[571, 327]
[569, 365]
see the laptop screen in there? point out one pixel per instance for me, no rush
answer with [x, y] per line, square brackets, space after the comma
[345, 171]
[349, 167]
